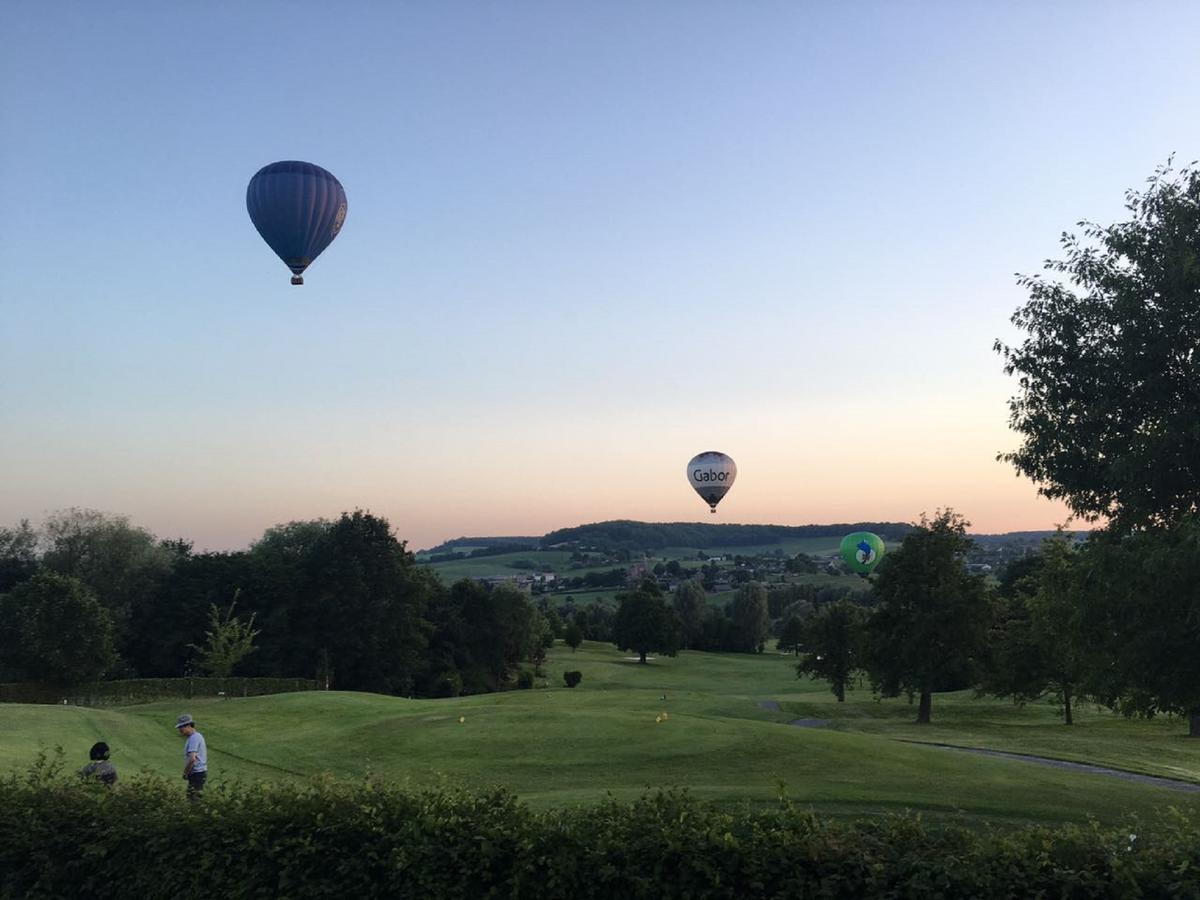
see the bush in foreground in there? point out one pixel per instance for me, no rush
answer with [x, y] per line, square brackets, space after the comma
[62, 837]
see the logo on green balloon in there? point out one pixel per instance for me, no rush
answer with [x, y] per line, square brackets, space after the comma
[862, 551]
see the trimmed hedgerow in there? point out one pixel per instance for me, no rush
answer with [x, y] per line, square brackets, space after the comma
[147, 690]
[62, 837]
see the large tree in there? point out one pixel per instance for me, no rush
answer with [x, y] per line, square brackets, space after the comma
[360, 610]
[1108, 402]
[645, 623]
[18, 554]
[573, 636]
[1143, 620]
[1038, 641]
[791, 631]
[167, 620]
[1108, 408]
[482, 635]
[831, 639]
[930, 625]
[55, 631]
[690, 603]
[121, 564]
[750, 618]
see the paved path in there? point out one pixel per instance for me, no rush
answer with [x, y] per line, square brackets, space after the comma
[1168, 783]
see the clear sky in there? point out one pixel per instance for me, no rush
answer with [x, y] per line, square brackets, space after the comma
[585, 241]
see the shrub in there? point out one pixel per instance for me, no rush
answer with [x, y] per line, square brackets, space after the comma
[63, 837]
[524, 679]
[572, 678]
[448, 684]
[60, 836]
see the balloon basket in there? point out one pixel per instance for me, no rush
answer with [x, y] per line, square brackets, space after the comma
[297, 279]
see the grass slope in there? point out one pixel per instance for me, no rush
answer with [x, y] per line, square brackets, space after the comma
[557, 746]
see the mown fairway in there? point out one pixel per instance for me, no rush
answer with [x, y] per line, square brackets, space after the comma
[556, 746]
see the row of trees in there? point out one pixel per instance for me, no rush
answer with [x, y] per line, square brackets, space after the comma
[692, 622]
[648, 622]
[89, 595]
[1112, 621]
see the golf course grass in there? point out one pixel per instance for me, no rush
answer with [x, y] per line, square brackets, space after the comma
[554, 746]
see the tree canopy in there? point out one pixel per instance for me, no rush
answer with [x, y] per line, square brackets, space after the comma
[930, 626]
[1108, 409]
[1108, 401]
[1143, 620]
[750, 619]
[645, 623]
[1038, 644]
[55, 631]
[831, 639]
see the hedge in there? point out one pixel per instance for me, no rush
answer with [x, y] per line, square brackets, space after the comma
[62, 837]
[147, 690]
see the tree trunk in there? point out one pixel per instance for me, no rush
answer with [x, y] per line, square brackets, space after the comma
[923, 709]
[1067, 706]
[1194, 730]
[643, 659]
[839, 691]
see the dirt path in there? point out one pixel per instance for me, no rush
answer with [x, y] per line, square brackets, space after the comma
[1168, 783]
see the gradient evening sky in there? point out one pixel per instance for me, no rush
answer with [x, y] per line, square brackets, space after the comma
[585, 241]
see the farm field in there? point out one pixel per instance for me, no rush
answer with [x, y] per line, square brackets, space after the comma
[582, 598]
[558, 561]
[554, 746]
[815, 546]
[502, 564]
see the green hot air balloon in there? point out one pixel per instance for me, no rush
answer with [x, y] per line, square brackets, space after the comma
[862, 551]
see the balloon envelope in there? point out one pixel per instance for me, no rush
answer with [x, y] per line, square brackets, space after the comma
[711, 475]
[298, 208]
[862, 551]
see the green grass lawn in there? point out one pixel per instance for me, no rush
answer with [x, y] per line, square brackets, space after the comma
[501, 564]
[555, 746]
[1158, 747]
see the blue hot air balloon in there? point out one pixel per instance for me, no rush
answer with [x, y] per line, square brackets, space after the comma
[298, 208]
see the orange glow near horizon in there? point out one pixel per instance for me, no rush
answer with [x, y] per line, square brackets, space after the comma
[447, 483]
[482, 480]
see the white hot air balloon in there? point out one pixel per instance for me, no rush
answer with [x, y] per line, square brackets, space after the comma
[711, 475]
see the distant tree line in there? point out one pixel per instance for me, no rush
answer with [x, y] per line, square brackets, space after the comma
[89, 595]
[478, 552]
[499, 544]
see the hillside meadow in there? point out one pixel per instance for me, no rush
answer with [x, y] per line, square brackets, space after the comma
[557, 747]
